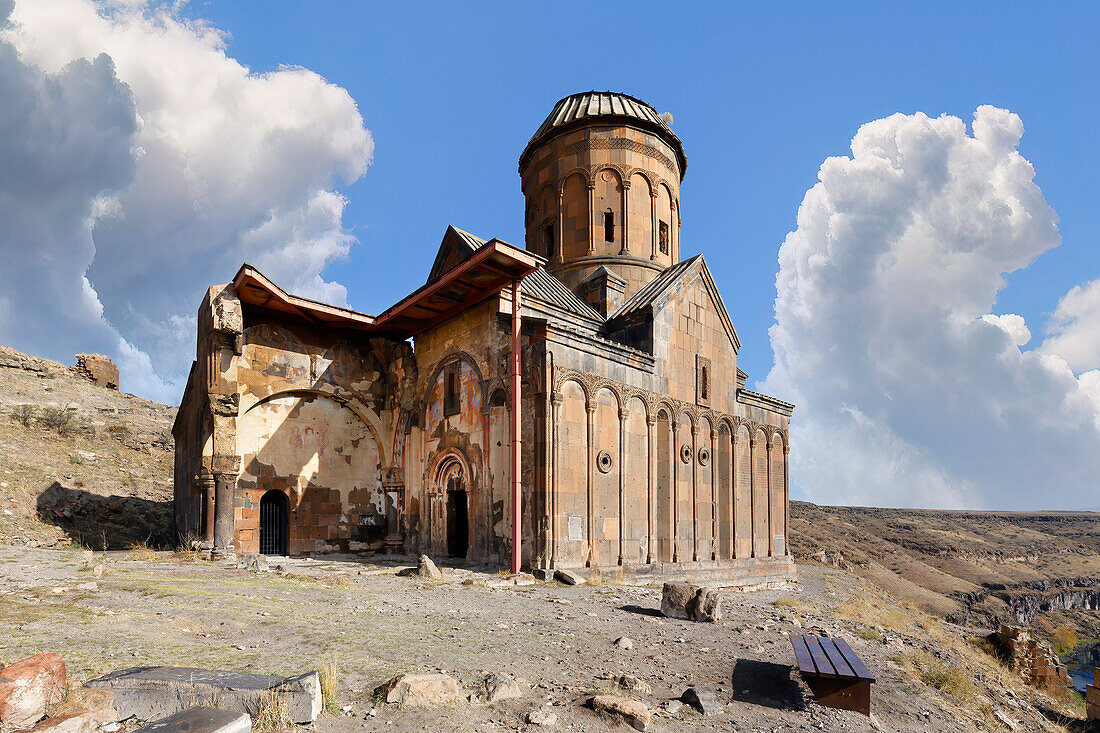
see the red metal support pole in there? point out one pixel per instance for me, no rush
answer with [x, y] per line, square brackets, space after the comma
[516, 498]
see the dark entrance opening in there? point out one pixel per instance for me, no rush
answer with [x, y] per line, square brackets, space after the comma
[273, 523]
[458, 523]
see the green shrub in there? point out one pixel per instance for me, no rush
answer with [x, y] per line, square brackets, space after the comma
[58, 419]
[24, 414]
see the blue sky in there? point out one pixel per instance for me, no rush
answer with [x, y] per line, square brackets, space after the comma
[937, 315]
[761, 94]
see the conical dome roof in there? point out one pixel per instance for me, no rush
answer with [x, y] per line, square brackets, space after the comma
[581, 108]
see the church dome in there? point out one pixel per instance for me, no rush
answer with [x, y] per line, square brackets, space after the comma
[584, 108]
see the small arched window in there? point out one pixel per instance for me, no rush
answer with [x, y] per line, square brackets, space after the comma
[609, 226]
[548, 240]
[662, 240]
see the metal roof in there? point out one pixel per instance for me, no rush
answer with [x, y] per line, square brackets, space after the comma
[543, 286]
[578, 109]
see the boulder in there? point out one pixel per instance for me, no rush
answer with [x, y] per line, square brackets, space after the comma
[632, 684]
[634, 712]
[691, 602]
[703, 699]
[150, 693]
[542, 716]
[624, 642]
[201, 720]
[425, 568]
[569, 577]
[421, 690]
[83, 711]
[501, 686]
[27, 687]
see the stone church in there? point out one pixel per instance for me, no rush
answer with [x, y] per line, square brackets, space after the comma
[575, 403]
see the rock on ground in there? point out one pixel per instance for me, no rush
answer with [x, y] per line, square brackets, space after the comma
[632, 684]
[691, 602]
[624, 642]
[201, 720]
[27, 687]
[634, 712]
[419, 690]
[501, 686]
[569, 577]
[425, 568]
[703, 699]
[83, 711]
[542, 716]
[149, 693]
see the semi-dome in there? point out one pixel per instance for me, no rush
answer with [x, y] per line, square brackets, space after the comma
[583, 108]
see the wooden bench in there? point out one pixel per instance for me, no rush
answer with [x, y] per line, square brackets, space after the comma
[836, 676]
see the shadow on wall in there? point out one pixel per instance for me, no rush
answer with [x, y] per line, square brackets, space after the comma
[767, 684]
[106, 522]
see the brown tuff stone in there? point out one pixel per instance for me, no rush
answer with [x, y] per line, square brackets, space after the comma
[83, 711]
[27, 687]
[420, 690]
[633, 712]
[691, 602]
[97, 368]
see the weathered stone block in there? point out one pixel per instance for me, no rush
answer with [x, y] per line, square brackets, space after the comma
[421, 690]
[634, 712]
[83, 711]
[150, 693]
[691, 602]
[27, 687]
[97, 368]
[201, 720]
[569, 577]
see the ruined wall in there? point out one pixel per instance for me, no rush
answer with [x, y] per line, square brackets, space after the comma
[317, 413]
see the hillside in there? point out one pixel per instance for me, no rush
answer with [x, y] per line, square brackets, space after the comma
[92, 462]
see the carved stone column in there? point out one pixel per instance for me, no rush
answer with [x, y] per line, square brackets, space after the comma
[224, 519]
[559, 235]
[653, 222]
[733, 488]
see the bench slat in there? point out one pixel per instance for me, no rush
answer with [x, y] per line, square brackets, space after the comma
[856, 663]
[836, 658]
[802, 654]
[824, 666]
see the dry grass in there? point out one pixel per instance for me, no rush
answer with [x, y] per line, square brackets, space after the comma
[273, 714]
[141, 551]
[330, 680]
[938, 674]
[211, 699]
[794, 604]
[875, 614]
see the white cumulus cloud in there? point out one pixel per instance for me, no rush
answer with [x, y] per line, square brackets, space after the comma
[910, 390]
[142, 163]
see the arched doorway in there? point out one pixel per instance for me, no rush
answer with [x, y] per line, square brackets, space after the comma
[273, 521]
[451, 476]
[458, 518]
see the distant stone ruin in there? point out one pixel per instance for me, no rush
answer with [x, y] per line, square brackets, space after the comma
[1033, 660]
[98, 369]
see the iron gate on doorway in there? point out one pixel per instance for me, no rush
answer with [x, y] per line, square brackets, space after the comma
[273, 518]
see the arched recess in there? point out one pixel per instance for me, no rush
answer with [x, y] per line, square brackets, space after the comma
[605, 541]
[760, 493]
[665, 226]
[723, 470]
[546, 221]
[607, 198]
[468, 382]
[685, 489]
[635, 523]
[328, 461]
[778, 500]
[640, 222]
[663, 532]
[574, 217]
[571, 476]
[704, 492]
[742, 505]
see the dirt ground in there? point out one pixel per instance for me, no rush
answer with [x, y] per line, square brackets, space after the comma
[558, 641]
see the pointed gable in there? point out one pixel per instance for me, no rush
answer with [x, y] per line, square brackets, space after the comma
[659, 291]
[456, 246]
